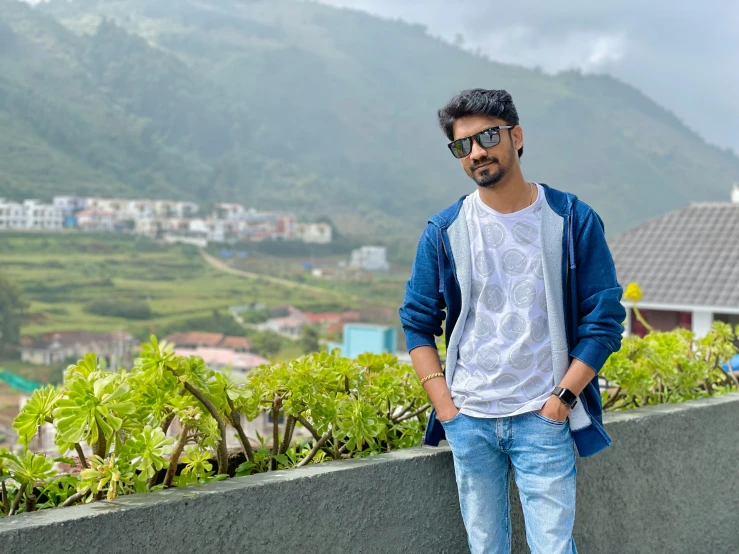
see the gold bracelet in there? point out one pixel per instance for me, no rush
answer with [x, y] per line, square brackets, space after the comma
[431, 377]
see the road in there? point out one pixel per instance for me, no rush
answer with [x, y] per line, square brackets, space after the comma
[221, 266]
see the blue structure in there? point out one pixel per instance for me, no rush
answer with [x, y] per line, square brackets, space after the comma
[362, 337]
[734, 364]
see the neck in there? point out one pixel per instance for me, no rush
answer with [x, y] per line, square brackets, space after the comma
[511, 194]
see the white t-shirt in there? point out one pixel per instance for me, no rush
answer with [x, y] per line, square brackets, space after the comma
[504, 366]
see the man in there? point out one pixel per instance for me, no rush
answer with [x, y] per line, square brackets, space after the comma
[532, 313]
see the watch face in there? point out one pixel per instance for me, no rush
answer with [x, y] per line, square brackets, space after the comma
[567, 396]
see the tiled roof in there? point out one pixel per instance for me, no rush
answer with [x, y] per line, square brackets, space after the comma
[326, 317]
[235, 343]
[195, 339]
[687, 257]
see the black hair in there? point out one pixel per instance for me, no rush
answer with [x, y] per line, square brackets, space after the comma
[478, 101]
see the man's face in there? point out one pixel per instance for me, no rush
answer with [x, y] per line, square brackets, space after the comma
[487, 166]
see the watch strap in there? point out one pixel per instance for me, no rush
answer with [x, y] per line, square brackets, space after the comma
[567, 397]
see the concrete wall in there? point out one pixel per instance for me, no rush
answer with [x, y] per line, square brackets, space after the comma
[668, 484]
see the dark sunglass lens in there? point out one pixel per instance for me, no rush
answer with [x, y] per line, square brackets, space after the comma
[461, 147]
[489, 138]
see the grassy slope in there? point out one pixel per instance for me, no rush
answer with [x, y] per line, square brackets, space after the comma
[61, 273]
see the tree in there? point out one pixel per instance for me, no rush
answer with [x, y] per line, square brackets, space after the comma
[13, 308]
[309, 339]
[266, 343]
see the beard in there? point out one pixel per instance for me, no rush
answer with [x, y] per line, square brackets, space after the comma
[488, 178]
[495, 172]
[491, 175]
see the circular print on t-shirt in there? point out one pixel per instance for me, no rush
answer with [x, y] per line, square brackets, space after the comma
[514, 261]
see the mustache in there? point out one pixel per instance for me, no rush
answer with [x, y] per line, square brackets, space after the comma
[484, 161]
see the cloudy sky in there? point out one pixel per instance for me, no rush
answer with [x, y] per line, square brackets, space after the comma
[685, 55]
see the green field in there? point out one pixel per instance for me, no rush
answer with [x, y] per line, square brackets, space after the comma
[61, 274]
[382, 289]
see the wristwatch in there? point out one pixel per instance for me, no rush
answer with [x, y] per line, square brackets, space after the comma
[567, 397]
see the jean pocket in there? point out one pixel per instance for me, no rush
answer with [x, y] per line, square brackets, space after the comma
[448, 421]
[547, 420]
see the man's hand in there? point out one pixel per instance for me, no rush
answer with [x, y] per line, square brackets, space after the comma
[447, 414]
[555, 409]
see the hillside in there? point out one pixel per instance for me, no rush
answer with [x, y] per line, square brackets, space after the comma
[295, 105]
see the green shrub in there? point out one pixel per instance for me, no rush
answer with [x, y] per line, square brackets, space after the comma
[670, 367]
[217, 322]
[352, 408]
[128, 309]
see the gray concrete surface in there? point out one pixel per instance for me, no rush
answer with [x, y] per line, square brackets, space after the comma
[667, 485]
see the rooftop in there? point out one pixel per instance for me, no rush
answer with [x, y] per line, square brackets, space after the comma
[197, 338]
[687, 257]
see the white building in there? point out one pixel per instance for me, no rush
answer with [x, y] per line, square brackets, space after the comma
[42, 216]
[231, 211]
[69, 205]
[316, 233]
[30, 215]
[214, 230]
[96, 220]
[147, 226]
[370, 258]
[126, 209]
[12, 216]
[194, 240]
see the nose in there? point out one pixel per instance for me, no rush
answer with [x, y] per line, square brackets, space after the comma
[477, 152]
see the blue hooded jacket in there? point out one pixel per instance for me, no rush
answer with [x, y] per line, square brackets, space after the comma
[585, 314]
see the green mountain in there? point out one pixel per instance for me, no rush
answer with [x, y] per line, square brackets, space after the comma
[296, 105]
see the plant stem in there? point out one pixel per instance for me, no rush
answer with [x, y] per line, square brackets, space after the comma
[17, 501]
[403, 412]
[81, 455]
[76, 497]
[316, 447]
[414, 413]
[167, 422]
[30, 503]
[641, 319]
[288, 436]
[612, 400]
[170, 416]
[174, 458]
[100, 447]
[4, 496]
[305, 423]
[222, 451]
[235, 420]
[275, 432]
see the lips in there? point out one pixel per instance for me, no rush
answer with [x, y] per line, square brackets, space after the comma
[483, 166]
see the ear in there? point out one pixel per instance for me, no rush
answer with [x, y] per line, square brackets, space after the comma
[517, 137]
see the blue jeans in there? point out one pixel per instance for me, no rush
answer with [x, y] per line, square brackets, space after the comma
[542, 452]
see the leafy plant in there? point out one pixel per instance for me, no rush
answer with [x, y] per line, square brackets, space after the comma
[670, 367]
[350, 408]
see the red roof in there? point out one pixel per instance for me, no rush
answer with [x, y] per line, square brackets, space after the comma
[195, 339]
[326, 317]
[235, 343]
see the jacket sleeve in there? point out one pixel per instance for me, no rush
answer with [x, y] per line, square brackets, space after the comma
[422, 311]
[601, 314]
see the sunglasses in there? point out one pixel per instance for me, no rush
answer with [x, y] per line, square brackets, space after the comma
[486, 138]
